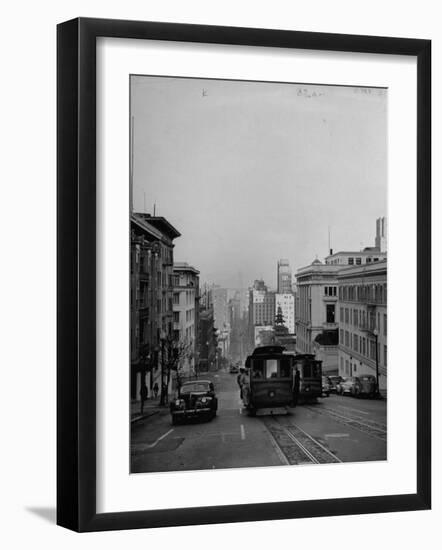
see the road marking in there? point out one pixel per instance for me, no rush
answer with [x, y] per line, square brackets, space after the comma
[243, 432]
[159, 439]
[336, 435]
[351, 409]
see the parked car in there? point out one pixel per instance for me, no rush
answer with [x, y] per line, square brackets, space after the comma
[367, 385]
[234, 369]
[334, 381]
[350, 385]
[326, 386]
[195, 399]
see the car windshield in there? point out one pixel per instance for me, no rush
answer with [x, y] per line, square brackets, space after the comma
[195, 387]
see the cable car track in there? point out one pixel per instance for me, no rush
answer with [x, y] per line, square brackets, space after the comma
[296, 445]
[369, 427]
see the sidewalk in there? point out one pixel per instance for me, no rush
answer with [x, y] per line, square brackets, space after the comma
[151, 406]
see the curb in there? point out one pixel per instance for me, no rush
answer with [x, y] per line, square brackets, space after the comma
[141, 417]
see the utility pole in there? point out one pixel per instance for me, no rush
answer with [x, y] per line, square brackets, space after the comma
[375, 333]
[163, 389]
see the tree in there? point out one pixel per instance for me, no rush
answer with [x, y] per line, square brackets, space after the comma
[172, 353]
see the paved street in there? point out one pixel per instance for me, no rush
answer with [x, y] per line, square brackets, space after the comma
[336, 429]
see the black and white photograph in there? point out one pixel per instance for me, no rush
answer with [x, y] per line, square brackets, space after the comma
[258, 257]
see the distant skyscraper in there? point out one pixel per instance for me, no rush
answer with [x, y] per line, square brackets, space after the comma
[220, 307]
[381, 234]
[284, 277]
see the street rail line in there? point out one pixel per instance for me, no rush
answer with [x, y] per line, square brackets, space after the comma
[296, 445]
[369, 427]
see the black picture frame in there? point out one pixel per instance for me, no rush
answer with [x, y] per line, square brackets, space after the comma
[76, 273]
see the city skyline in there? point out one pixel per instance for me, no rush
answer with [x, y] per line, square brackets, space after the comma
[250, 173]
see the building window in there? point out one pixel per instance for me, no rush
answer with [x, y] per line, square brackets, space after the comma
[176, 298]
[346, 315]
[358, 261]
[341, 314]
[385, 356]
[355, 342]
[351, 261]
[346, 338]
[341, 335]
[385, 324]
[330, 313]
[176, 316]
[355, 317]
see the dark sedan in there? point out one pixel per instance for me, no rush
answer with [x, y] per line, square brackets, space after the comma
[195, 399]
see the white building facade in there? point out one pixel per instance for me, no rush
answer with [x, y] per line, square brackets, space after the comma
[287, 304]
[185, 314]
[315, 311]
[362, 307]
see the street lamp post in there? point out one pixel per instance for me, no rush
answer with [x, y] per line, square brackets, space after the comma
[162, 395]
[375, 334]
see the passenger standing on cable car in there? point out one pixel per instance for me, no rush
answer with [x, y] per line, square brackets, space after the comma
[240, 380]
[296, 383]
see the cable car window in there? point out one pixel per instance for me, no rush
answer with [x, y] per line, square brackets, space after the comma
[285, 368]
[271, 368]
[307, 371]
[257, 368]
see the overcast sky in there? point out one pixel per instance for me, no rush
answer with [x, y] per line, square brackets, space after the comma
[251, 172]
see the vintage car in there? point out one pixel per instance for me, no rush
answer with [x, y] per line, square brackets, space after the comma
[195, 399]
[349, 385]
[368, 386]
[326, 386]
[234, 369]
[334, 381]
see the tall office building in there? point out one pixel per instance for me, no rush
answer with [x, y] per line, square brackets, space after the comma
[381, 234]
[284, 277]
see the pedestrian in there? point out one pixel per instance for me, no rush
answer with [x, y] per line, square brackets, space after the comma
[239, 381]
[155, 389]
[245, 386]
[143, 396]
[296, 383]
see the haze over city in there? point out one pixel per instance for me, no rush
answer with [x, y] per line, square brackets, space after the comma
[251, 172]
